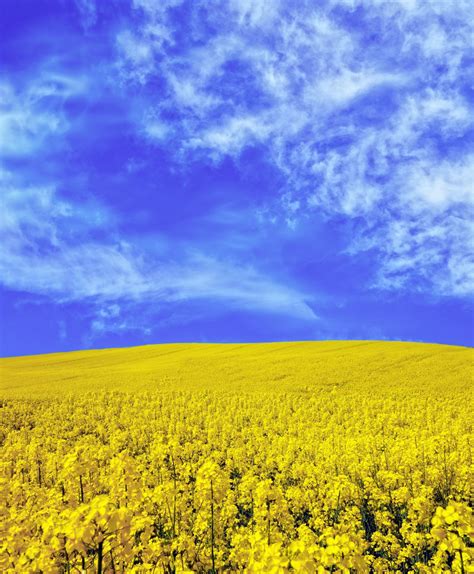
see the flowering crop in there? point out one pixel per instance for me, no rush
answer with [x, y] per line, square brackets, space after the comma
[303, 457]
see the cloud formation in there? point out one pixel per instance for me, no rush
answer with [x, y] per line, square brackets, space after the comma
[38, 255]
[259, 155]
[362, 106]
[31, 117]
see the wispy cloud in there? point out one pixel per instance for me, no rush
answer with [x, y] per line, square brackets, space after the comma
[32, 116]
[425, 254]
[39, 255]
[162, 153]
[363, 120]
[88, 13]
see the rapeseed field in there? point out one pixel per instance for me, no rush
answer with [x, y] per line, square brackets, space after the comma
[291, 457]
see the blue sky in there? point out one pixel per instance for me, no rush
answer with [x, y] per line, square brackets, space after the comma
[235, 171]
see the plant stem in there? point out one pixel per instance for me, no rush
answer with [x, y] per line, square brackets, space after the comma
[99, 557]
[81, 488]
[213, 570]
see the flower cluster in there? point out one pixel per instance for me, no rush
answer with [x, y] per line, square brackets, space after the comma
[297, 475]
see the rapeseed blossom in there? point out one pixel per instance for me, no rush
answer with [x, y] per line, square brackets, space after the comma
[324, 457]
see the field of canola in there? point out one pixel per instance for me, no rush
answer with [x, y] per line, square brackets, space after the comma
[289, 457]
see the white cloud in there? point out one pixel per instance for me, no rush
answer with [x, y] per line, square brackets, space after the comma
[340, 89]
[88, 13]
[425, 253]
[256, 13]
[137, 56]
[366, 121]
[202, 91]
[39, 254]
[23, 130]
[30, 117]
[441, 185]
[442, 111]
[232, 135]
[206, 277]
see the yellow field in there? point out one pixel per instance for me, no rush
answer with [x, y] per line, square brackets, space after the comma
[291, 457]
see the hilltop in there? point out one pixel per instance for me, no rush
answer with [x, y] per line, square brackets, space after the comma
[285, 366]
